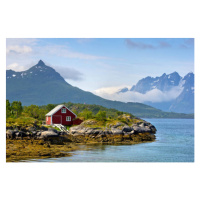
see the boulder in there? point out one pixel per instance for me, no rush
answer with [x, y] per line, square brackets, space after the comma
[137, 129]
[53, 130]
[10, 134]
[79, 130]
[48, 134]
[118, 124]
[43, 128]
[89, 131]
[127, 129]
[153, 128]
[129, 133]
[34, 133]
[116, 131]
[38, 134]
[31, 129]
[107, 132]
[20, 134]
[93, 131]
[63, 133]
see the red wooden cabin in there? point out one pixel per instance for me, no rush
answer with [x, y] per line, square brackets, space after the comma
[62, 115]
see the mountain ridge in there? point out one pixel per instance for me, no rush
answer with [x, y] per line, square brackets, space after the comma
[42, 85]
[184, 102]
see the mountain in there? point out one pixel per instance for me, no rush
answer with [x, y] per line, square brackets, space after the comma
[184, 87]
[42, 85]
[163, 83]
[185, 101]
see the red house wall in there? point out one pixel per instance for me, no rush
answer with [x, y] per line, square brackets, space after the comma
[48, 120]
[62, 116]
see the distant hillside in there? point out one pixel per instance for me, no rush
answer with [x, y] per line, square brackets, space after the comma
[42, 85]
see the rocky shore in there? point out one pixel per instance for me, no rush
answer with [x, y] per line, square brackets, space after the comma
[89, 132]
[43, 142]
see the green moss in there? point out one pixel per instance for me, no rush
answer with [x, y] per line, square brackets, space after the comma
[22, 122]
[17, 150]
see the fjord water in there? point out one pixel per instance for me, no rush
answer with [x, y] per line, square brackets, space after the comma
[174, 143]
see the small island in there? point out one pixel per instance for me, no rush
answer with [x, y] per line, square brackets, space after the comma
[29, 137]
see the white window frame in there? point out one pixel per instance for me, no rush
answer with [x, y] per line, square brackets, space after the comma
[63, 110]
[68, 118]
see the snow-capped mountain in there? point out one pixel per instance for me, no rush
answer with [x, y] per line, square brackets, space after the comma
[36, 73]
[163, 83]
[185, 101]
[182, 88]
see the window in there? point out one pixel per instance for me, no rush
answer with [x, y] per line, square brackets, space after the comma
[47, 119]
[68, 118]
[63, 110]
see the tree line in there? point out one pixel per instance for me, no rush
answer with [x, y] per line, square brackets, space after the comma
[83, 111]
[15, 110]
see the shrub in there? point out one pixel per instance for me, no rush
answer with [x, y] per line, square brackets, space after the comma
[101, 115]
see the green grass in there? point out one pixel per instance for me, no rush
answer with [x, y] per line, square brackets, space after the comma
[22, 122]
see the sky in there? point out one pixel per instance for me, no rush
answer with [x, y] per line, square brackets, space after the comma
[103, 65]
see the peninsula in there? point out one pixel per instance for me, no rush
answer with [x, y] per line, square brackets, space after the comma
[28, 136]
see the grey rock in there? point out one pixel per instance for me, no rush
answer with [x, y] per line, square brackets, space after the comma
[118, 124]
[137, 129]
[47, 134]
[43, 128]
[78, 130]
[129, 133]
[38, 134]
[20, 134]
[63, 133]
[34, 133]
[116, 131]
[53, 130]
[89, 131]
[31, 129]
[10, 134]
[127, 129]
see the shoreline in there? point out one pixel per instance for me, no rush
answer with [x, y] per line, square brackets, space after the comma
[25, 149]
[22, 150]
[34, 142]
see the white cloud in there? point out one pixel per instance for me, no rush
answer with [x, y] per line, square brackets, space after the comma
[18, 49]
[109, 90]
[154, 95]
[16, 67]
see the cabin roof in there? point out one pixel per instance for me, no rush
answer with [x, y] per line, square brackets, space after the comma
[58, 107]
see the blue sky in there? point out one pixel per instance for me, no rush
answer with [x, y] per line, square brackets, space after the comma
[98, 64]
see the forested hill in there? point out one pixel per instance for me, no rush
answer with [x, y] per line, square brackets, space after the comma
[137, 109]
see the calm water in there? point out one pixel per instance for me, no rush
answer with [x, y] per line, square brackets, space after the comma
[174, 143]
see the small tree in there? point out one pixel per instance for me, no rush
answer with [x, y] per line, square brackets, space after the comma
[35, 112]
[86, 114]
[50, 106]
[8, 108]
[16, 108]
[101, 115]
